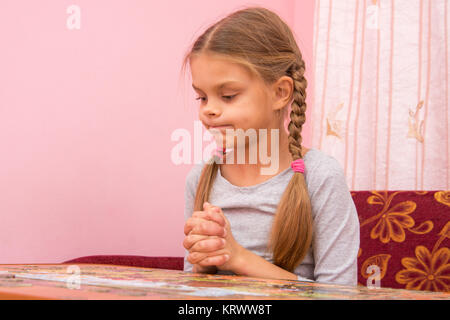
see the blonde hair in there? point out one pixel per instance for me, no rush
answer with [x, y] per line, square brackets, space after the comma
[258, 39]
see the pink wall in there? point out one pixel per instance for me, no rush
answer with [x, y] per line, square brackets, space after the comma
[86, 118]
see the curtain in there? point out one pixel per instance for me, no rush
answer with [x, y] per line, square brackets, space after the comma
[381, 91]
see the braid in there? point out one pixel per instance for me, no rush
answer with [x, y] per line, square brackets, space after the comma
[294, 214]
[297, 115]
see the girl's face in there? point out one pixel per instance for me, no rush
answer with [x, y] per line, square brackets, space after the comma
[231, 97]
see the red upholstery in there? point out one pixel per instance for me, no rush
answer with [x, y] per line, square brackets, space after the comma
[173, 263]
[405, 233]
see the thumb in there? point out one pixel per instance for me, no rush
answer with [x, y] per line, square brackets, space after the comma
[206, 205]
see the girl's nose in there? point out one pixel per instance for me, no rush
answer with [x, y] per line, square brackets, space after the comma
[211, 110]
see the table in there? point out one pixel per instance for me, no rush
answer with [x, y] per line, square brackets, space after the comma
[105, 282]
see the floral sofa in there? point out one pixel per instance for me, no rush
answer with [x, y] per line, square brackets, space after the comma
[404, 241]
[406, 235]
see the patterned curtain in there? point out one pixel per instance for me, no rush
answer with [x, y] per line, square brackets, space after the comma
[381, 91]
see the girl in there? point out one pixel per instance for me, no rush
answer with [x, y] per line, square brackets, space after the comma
[299, 223]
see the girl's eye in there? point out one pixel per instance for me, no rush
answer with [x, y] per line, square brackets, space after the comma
[229, 98]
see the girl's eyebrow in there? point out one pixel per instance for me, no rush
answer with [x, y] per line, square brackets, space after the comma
[219, 86]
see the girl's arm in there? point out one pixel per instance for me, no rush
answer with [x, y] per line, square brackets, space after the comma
[336, 237]
[250, 264]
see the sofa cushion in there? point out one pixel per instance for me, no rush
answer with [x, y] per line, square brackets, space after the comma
[404, 239]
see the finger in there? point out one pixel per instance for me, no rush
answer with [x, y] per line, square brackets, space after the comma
[193, 221]
[208, 206]
[196, 257]
[208, 245]
[219, 216]
[202, 224]
[191, 239]
[214, 261]
[214, 209]
[207, 228]
[210, 215]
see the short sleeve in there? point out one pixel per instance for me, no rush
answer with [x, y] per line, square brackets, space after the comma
[336, 227]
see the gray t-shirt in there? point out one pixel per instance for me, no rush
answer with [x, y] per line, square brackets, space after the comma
[332, 257]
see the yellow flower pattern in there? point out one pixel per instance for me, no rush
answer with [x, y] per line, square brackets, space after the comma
[380, 260]
[392, 221]
[426, 270]
[443, 197]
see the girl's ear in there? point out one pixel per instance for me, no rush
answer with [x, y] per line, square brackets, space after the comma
[282, 92]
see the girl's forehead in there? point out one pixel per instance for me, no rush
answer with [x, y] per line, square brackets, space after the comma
[218, 73]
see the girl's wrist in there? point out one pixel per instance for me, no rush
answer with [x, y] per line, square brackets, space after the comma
[238, 260]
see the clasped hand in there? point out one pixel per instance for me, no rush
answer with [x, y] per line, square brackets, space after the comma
[209, 241]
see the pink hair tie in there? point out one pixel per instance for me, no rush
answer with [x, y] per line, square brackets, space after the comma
[298, 165]
[219, 152]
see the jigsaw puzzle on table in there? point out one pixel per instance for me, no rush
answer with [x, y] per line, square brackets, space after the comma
[119, 282]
